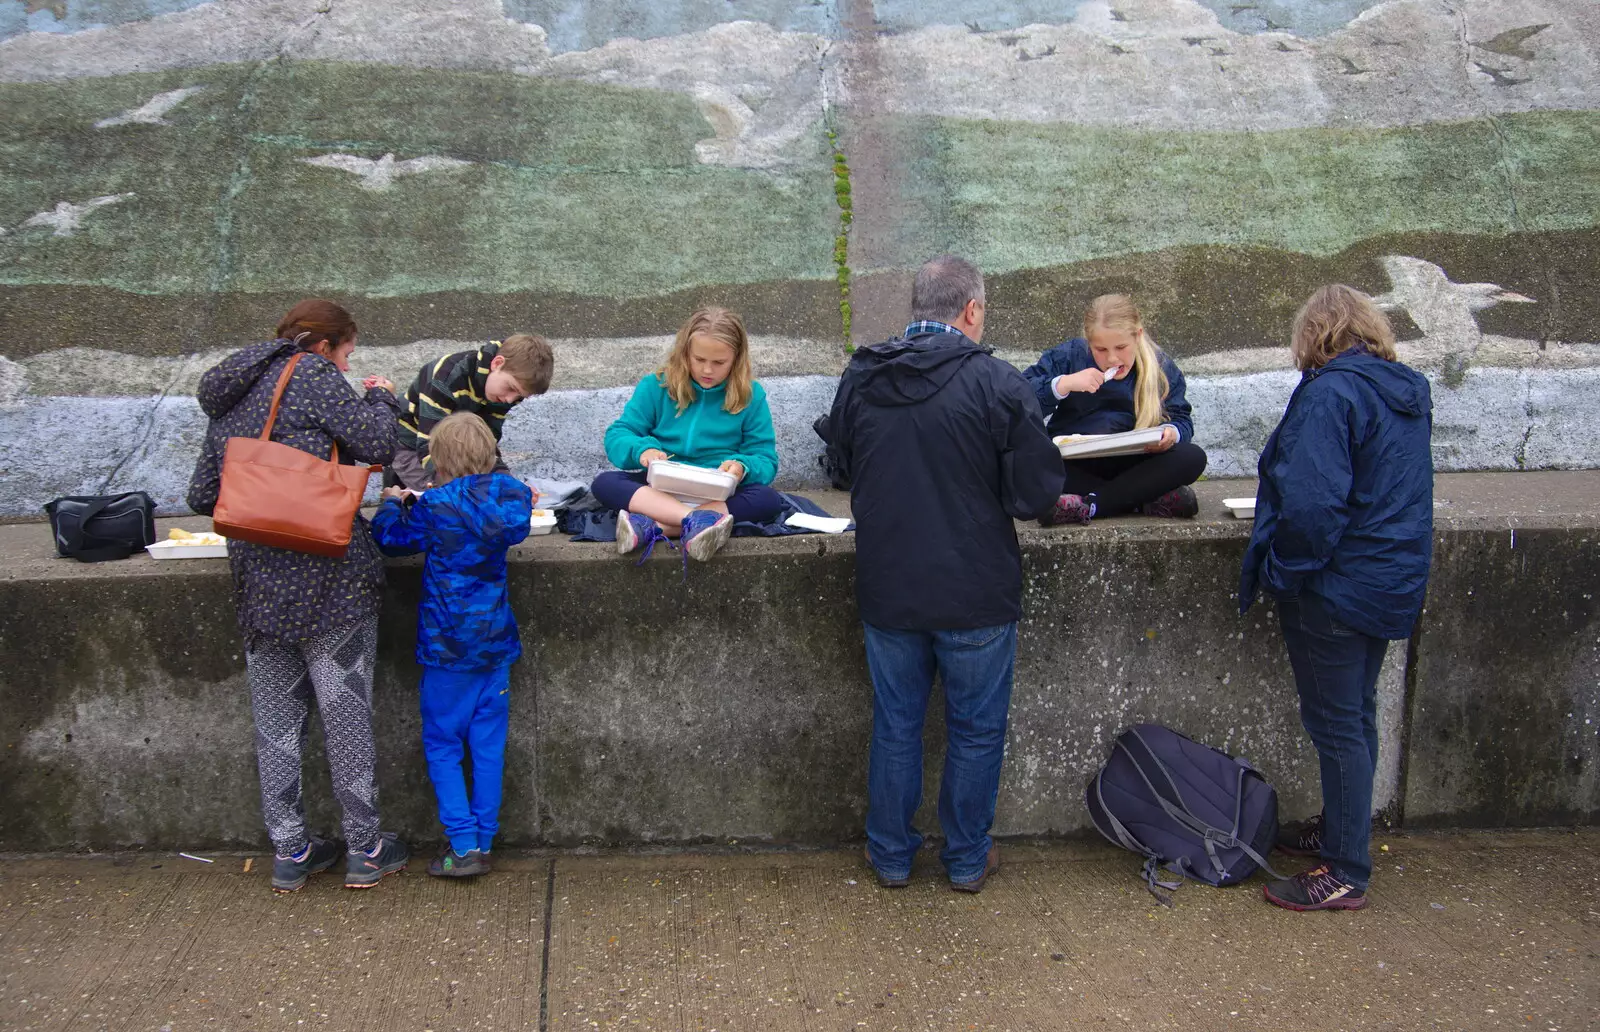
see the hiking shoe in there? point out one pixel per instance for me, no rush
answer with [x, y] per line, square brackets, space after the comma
[1180, 504]
[884, 881]
[289, 873]
[1068, 509]
[705, 531]
[362, 871]
[991, 865]
[1316, 889]
[1305, 842]
[450, 864]
[634, 530]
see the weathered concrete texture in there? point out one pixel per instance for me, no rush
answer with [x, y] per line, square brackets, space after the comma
[1484, 419]
[1505, 720]
[736, 703]
[1470, 932]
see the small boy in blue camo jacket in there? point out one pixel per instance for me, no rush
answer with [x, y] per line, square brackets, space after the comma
[467, 637]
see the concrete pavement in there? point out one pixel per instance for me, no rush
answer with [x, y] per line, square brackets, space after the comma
[1480, 931]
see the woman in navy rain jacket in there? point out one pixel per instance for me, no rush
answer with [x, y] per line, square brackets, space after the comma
[1110, 380]
[1343, 538]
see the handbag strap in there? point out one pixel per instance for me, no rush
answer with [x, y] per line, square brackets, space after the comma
[277, 394]
[277, 397]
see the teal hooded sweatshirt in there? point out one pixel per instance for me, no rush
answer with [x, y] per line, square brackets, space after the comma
[704, 434]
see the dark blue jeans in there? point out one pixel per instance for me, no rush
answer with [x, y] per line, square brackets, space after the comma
[1336, 672]
[975, 668]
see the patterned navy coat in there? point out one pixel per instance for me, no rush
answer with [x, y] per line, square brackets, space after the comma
[465, 527]
[279, 594]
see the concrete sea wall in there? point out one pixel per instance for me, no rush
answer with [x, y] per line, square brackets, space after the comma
[736, 705]
[177, 173]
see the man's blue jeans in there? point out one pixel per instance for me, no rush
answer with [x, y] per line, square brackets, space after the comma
[976, 668]
[1336, 671]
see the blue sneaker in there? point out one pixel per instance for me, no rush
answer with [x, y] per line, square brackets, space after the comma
[289, 873]
[705, 531]
[634, 530]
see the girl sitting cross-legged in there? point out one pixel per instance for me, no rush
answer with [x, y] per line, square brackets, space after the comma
[1110, 380]
[702, 408]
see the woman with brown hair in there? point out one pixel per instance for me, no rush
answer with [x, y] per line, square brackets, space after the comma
[310, 622]
[1343, 538]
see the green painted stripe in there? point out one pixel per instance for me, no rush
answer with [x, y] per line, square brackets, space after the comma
[1016, 196]
[574, 188]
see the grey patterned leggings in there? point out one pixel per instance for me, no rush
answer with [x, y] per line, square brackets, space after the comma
[337, 668]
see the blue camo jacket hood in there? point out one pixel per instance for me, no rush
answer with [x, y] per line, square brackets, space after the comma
[465, 621]
[1344, 509]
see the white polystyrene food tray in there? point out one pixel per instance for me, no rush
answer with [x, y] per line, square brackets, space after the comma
[173, 550]
[1101, 446]
[1244, 508]
[541, 524]
[695, 483]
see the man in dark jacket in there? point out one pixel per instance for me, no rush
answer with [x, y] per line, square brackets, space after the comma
[943, 447]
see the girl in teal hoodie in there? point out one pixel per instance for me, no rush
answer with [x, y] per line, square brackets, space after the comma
[702, 408]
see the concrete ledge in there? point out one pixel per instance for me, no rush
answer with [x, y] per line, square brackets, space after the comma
[736, 705]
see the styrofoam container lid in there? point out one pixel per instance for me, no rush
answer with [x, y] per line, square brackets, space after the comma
[682, 479]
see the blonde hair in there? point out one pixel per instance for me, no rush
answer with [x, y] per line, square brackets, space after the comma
[1334, 319]
[1150, 387]
[461, 445]
[720, 325]
[529, 360]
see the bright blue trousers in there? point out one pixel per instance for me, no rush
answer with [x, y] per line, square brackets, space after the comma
[466, 711]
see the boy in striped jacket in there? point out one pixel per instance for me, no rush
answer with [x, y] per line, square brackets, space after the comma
[487, 382]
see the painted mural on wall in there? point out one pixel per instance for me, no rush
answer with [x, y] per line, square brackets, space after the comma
[174, 174]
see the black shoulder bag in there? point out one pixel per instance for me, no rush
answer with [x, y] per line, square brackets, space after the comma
[95, 528]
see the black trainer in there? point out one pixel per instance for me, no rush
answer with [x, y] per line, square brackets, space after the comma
[1305, 842]
[450, 864]
[290, 874]
[363, 872]
[1316, 889]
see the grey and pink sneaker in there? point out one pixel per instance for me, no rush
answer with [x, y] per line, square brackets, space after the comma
[1069, 508]
[1180, 504]
[1316, 889]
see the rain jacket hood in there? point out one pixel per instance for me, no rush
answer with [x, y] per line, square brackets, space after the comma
[908, 372]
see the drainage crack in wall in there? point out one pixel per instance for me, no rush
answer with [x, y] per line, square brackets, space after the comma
[841, 242]
[1552, 291]
[223, 271]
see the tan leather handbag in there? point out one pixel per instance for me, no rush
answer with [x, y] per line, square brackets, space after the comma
[276, 495]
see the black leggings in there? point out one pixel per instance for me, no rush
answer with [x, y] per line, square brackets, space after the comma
[1123, 482]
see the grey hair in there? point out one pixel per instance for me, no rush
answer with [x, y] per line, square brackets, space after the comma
[943, 287]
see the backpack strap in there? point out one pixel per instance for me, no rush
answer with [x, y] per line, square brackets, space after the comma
[1209, 836]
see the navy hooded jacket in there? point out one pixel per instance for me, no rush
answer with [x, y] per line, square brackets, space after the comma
[1344, 510]
[1108, 410]
[943, 446]
[465, 526]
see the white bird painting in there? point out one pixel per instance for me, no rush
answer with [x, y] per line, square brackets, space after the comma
[152, 110]
[380, 174]
[1439, 307]
[66, 218]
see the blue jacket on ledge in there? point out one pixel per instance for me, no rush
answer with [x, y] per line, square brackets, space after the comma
[1108, 410]
[465, 527]
[1345, 506]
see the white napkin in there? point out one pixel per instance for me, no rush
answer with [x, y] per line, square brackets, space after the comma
[826, 524]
